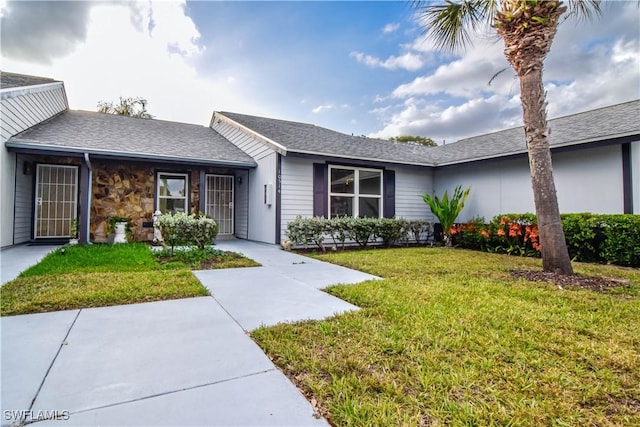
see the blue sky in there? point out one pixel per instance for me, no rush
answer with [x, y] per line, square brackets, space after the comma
[356, 67]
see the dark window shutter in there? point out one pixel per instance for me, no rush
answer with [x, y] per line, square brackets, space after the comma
[320, 189]
[389, 188]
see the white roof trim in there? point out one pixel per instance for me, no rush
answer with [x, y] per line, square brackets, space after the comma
[13, 92]
[554, 146]
[269, 142]
[371, 159]
[26, 144]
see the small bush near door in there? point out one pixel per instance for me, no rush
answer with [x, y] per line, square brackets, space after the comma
[185, 229]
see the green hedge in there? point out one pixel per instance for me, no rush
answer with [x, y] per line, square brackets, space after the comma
[363, 231]
[611, 239]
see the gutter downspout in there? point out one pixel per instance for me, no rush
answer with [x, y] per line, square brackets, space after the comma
[87, 220]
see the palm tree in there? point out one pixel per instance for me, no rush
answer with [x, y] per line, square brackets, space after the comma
[132, 107]
[527, 28]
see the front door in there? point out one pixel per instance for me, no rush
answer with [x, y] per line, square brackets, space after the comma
[56, 203]
[219, 201]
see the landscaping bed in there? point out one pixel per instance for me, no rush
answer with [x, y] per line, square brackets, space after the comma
[450, 337]
[75, 277]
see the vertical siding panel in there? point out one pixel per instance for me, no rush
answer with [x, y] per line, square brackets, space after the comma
[23, 203]
[297, 191]
[241, 203]
[247, 143]
[256, 220]
[411, 184]
[20, 111]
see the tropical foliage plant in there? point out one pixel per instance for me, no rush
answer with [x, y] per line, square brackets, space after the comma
[447, 209]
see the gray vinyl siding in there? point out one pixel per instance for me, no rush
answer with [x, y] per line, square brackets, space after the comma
[635, 175]
[587, 180]
[297, 191]
[244, 141]
[411, 184]
[261, 218]
[20, 109]
[241, 206]
[23, 203]
[24, 111]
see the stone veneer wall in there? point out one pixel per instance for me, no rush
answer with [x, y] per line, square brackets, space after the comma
[128, 190]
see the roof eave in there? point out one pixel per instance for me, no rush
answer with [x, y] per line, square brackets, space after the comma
[17, 145]
[265, 140]
[370, 159]
[11, 92]
[553, 147]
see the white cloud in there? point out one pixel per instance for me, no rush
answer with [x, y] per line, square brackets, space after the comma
[407, 61]
[141, 49]
[390, 28]
[591, 65]
[322, 108]
[328, 107]
[467, 76]
[418, 117]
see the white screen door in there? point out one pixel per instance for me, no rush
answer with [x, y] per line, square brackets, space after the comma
[219, 201]
[56, 200]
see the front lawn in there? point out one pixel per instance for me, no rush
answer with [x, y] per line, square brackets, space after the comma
[101, 275]
[451, 338]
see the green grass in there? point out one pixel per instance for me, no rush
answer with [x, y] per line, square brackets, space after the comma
[94, 259]
[101, 275]
[208, 258]
[448, 338]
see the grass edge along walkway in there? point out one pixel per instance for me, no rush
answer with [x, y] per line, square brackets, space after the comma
[85, 276]
[449, 338]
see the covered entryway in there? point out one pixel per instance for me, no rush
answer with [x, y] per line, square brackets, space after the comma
[56, 200]
[219, 201]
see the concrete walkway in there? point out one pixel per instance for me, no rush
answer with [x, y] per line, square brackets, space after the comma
[15, 259]
[183, 362]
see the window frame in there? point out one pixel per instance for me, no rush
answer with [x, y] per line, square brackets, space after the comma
[356, 195]
[183, 175]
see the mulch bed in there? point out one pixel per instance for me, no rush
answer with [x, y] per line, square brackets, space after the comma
[598, 284]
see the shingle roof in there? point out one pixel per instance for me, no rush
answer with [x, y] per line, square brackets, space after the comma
[310, 139]
[112, 135]
[12, 80]
[590, 126]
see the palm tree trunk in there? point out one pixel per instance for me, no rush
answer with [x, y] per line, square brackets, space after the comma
[555, 256]
[526, 44]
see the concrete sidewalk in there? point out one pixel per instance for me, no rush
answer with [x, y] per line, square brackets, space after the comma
[15, 259]
[182, 362]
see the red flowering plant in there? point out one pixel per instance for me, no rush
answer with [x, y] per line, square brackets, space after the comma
[471, 235]
[511, 234]
[515, 235]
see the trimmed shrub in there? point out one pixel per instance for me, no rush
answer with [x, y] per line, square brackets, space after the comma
[621, 244]
[181, 228]
[392, 230]
[421, 230]
[611, 239]
[303, 231]
[363, 231]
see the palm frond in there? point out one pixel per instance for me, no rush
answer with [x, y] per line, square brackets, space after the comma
[452, 24]
[584, 9]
